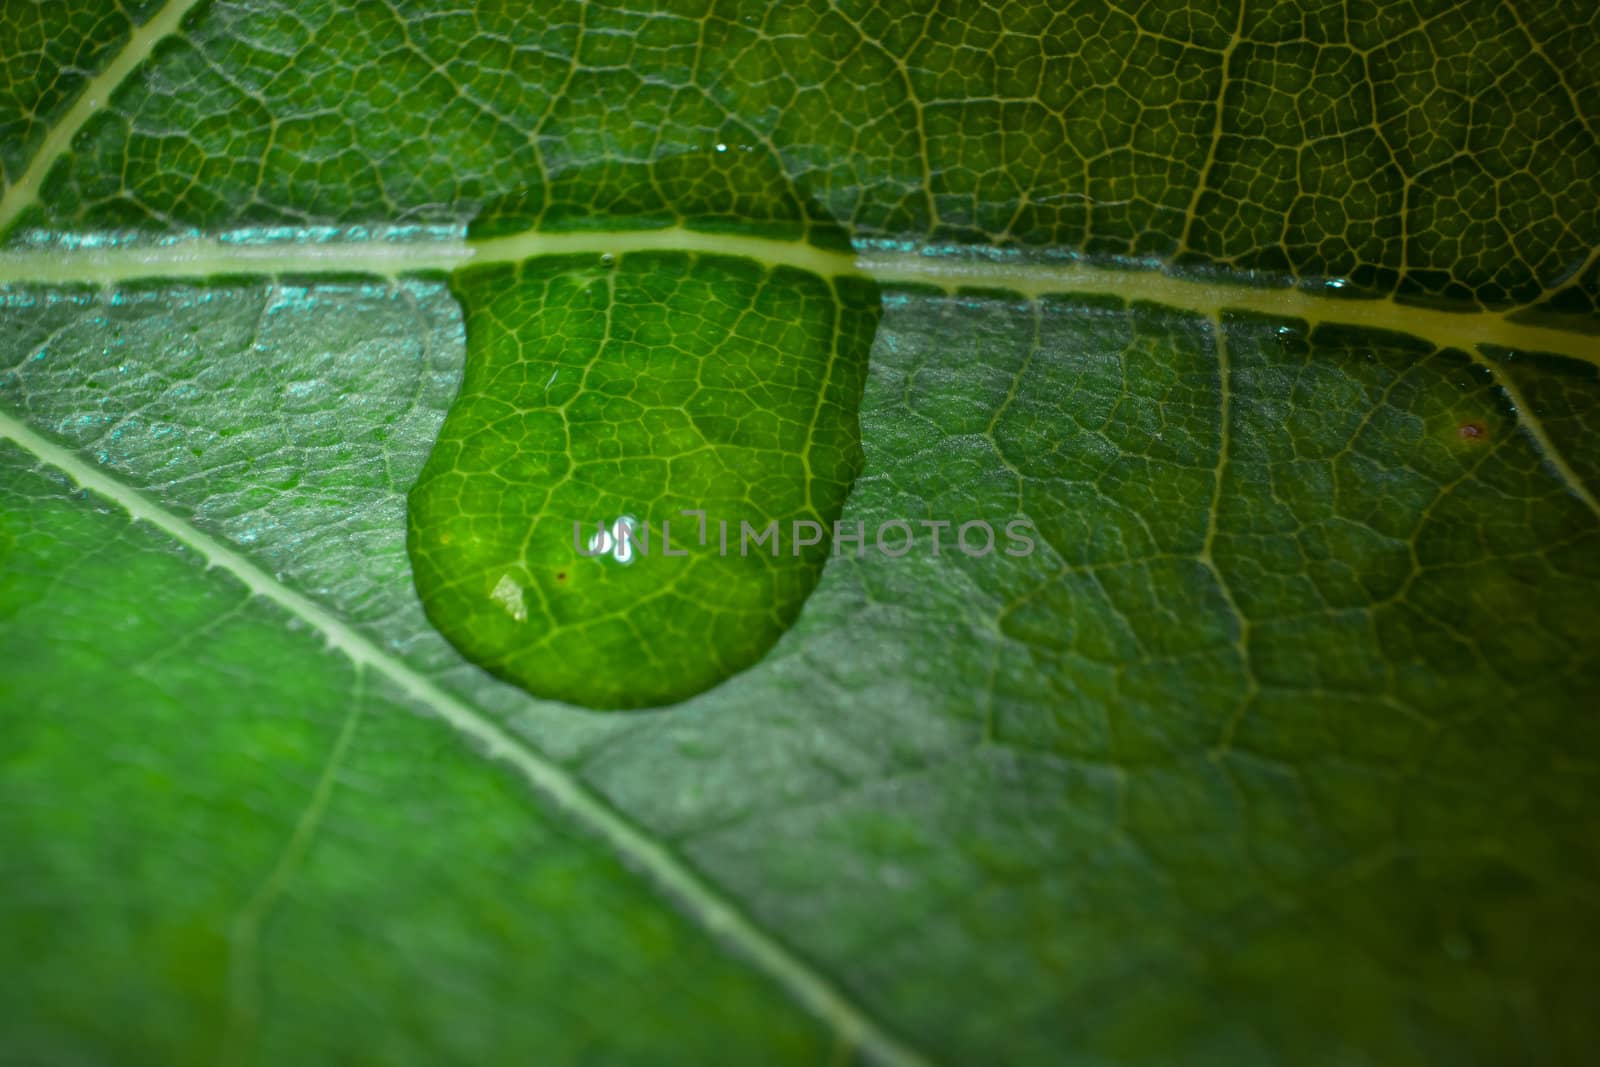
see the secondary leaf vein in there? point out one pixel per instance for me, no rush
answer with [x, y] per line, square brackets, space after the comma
[96, 91]
[703, 902]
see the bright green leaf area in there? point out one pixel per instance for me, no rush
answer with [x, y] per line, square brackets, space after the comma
[1278, 748]
[641, 390]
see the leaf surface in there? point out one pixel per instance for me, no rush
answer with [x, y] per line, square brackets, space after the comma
[1275, 322]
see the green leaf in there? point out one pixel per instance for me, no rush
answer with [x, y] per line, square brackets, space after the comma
[1275, 322]
[295, 839]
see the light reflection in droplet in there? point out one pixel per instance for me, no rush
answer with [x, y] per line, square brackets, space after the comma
[617, 541]
[508, 594]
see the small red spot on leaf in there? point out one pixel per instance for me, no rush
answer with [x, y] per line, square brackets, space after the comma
[561, 577]
[1471, 431]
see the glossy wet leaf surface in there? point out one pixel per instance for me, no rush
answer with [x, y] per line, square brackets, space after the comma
[1276, 751]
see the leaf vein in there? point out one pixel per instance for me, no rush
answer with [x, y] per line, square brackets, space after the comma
[96, 91]
[705, 904]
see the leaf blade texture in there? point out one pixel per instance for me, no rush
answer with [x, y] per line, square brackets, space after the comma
[1277, 322]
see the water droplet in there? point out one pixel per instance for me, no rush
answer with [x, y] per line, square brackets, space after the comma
[564, 533]
[722, 147]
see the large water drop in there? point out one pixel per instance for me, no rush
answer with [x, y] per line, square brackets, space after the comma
[658, 401]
